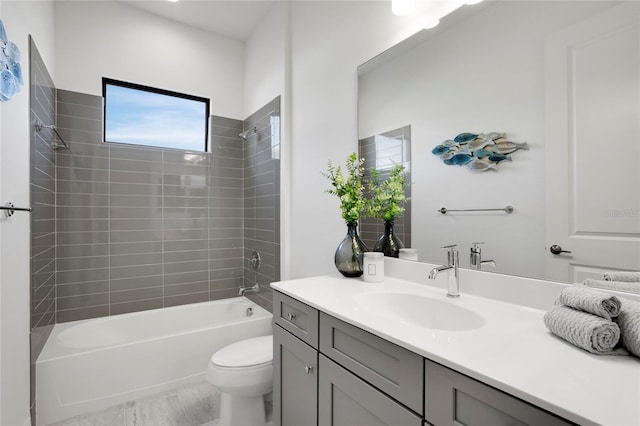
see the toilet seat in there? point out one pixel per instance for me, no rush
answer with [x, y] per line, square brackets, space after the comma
[251, 353]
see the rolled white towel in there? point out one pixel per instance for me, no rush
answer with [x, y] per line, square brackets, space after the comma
[589, 332]
[627, 276]
[589, 300]
[629, 323]
[625, 286]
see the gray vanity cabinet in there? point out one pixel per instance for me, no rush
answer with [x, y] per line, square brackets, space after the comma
[452, 398]
[329, 372]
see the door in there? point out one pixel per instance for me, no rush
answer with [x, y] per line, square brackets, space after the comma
[593, 145]
[295, 380]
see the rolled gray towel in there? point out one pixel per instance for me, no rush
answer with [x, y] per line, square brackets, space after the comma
[589, 332]
[626, 276]
[625, 286]
[592, 301]
[629, 323]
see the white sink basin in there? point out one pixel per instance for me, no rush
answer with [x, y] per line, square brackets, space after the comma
[420, 311]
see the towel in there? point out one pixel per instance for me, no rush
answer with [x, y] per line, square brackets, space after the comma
[589, 332]
[627, 276]
[629, 323]
[625, 286]
[592, 301]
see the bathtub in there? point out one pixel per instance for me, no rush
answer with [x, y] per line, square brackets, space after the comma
[92, 364]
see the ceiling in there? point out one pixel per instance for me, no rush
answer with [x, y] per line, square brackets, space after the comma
[235, 19]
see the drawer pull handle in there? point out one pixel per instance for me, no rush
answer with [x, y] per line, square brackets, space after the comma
[291, 316]
[308, 369]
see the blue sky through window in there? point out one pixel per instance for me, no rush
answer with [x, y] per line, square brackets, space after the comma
[142, 117]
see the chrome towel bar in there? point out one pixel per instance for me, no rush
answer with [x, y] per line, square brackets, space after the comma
[55, 145]
[508, 210]
[10, 209]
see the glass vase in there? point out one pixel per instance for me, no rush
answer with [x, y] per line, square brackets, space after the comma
[388, 243]
[348, 257]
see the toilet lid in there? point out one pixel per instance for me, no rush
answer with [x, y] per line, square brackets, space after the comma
[245, 353]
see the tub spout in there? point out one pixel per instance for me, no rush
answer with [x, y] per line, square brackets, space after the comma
[254, 289]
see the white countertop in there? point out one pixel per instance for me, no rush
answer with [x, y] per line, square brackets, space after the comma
[513, 351]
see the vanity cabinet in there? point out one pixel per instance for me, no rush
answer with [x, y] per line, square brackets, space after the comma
[329, 372]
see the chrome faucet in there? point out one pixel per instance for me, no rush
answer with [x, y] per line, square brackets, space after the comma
[254, 289]
[453, 283]
[475, 258]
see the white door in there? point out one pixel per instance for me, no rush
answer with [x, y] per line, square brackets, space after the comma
[593, 145]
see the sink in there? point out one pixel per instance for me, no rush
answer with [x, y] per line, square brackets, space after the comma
[420, 311]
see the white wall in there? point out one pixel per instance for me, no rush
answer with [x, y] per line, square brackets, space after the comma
[20, 19]
[108, 39]
[328, 42]
[471, 78]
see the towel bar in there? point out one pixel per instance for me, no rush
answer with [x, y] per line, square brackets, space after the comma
[10, 209]
[508, 210]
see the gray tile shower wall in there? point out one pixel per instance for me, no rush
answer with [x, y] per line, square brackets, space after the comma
[42, 193]
[42, 188]
[142, 228]
[262, 199]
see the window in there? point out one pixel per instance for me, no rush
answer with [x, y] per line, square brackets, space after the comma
[140, 115]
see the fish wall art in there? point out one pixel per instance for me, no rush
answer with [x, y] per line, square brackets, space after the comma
[478, 151]
[10, 71]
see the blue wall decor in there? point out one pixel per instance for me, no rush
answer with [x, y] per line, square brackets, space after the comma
[10, 71]
[478, 151]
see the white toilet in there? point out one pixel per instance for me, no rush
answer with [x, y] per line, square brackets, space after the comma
[243, 372]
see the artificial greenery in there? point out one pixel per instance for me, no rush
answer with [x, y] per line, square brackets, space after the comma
[387, 196]
[348, 188]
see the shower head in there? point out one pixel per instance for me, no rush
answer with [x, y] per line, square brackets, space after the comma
[244, 135]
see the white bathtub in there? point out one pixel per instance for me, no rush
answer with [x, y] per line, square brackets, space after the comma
[92, 364]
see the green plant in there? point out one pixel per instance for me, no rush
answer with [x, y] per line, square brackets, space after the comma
[387, 196]
[348, 188]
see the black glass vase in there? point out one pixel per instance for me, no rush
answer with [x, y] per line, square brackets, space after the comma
[348, 258]
[388, 243]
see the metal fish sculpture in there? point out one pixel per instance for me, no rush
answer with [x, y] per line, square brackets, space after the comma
[440, 149]
[481, 153]
[465, 137]
[449, 142]
[478, 144]
[493, 136]
[448, 155]
[507, 147]
[480, 166]
[459, 159]
[496, 158]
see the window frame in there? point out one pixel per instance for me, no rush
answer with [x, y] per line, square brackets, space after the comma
[106, 81]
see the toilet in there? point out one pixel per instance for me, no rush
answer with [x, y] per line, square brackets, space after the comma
[243, 372]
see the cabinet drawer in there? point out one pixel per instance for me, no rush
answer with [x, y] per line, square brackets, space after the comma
[297, 318]
[453, 398]
[346, 400]
[389, 367]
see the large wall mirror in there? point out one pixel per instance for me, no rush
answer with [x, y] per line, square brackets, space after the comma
[562, 76]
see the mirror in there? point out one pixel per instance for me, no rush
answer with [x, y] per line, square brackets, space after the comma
[495, 67]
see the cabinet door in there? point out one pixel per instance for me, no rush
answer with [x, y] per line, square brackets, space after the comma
[346, 400]
[295, 380]
[452, 398]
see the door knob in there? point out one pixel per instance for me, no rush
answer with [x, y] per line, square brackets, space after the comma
[556, 249]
